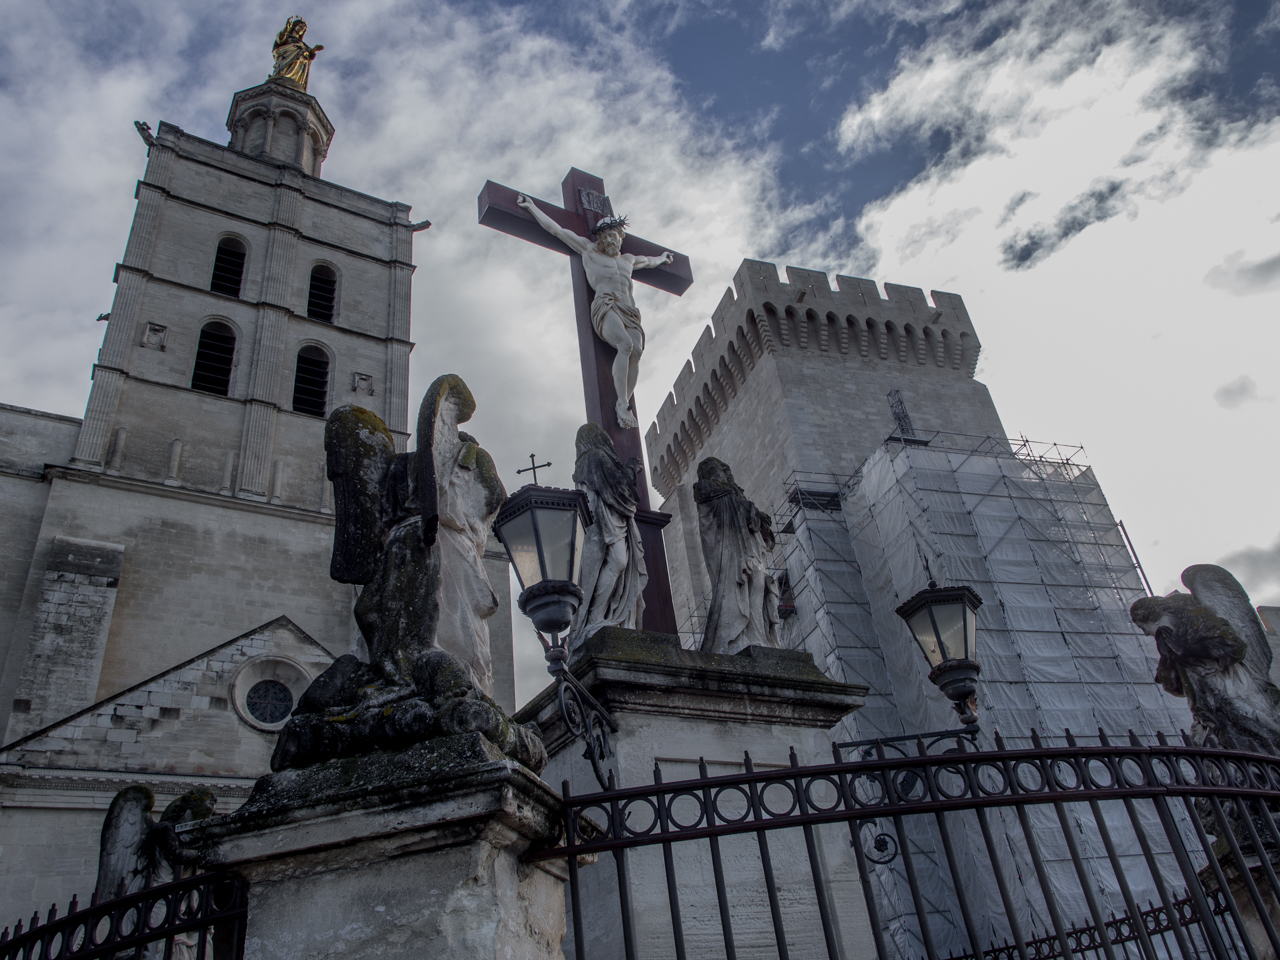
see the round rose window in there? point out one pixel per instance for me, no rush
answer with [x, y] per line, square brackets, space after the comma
[269, 701]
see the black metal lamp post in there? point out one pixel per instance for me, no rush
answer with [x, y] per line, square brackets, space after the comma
[542, 529]
[944, 622]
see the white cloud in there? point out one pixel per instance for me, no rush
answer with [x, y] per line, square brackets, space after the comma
[1112, 341]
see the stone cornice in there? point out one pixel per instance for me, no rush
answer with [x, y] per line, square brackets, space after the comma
[223, 298]
[18, 783]
[284, 92]
[272, 224]
[156, 489]
[398, 208]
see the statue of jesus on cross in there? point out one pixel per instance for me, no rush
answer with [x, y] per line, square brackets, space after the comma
[614, 314]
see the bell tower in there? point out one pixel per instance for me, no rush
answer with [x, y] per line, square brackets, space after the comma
[252, 299]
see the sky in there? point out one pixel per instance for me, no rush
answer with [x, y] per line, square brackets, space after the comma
[1098, 180]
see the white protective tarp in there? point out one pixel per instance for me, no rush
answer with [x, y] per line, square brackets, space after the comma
[1037, 541]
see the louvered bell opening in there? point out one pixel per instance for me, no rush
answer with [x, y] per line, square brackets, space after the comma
[228, 268]
[321, 300]
[311, 382]
[214, 356]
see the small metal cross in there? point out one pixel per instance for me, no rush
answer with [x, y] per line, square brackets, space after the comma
[534, 467]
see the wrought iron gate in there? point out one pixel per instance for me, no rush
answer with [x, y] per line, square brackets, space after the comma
[1143, 850]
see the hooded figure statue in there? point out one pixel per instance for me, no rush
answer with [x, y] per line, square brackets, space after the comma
[736, 540]
[613, 570]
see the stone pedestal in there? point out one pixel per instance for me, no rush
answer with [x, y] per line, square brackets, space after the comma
[676, 707]
[409, 854]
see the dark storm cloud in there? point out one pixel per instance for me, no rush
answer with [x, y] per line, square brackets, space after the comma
[1102, 201]
[1257, 569]
[1240, 277]
[1014, 205]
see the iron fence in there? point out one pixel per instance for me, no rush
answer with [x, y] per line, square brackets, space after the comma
[196, 918]
[1070, 839]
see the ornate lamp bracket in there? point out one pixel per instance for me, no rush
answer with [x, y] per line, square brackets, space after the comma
[582, 714]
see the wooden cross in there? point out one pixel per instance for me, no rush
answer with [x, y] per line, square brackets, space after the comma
[585, 203]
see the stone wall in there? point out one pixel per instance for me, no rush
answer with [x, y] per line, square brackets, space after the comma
[794, 377]
[184, 728]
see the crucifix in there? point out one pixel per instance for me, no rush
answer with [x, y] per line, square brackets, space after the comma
[585, 206]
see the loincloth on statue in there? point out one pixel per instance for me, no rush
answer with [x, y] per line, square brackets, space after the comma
[629, 314]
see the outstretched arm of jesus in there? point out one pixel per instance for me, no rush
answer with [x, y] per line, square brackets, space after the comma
[568, 237]
[644, 263]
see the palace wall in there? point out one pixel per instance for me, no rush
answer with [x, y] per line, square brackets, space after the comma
[793, 378]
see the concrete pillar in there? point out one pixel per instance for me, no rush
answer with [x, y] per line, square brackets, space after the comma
[677, 707]
[410, 854]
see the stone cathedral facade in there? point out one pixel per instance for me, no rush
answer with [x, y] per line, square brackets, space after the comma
[166, 593]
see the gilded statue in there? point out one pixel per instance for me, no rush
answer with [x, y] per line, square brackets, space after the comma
[293, 57]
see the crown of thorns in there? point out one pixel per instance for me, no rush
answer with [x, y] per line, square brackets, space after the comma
[609, 223]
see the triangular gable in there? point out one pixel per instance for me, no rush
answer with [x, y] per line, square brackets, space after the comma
[190, 718]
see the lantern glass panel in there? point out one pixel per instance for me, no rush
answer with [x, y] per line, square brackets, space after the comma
[558, 540]
[579, 535]
[522, 545]
[950, 618]
[922, 629]
[970, 633]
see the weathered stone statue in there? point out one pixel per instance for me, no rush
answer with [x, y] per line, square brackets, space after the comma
[136, 852]
[292, 56]
[736, 540]
[468, 497]
[410, 528]
[1213, 652]
[613, 571]
[614, 314]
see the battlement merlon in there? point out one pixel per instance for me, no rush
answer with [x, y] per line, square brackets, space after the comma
[761, 315]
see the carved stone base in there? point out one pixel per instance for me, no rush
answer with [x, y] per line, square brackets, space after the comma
[676, 707]
[409, 854]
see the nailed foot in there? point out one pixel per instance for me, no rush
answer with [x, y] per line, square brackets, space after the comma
[625, 420]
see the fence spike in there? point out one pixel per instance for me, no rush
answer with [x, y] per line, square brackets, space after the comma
[1071, 738]
[93, 899]
[1161, 738]
[795, 761]
[73, 906]
[53, 913]
[999, 740]
[1035, 738]
[1133, 739]
[35, 919]
[1102, 737]
[17, 929]
[4, 936]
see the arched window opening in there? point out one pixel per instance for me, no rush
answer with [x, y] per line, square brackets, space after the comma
[228, 267]
[214, 356]
[323, 295]
[311, 382]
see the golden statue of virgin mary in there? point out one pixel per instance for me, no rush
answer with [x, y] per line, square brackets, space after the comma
[293, 57]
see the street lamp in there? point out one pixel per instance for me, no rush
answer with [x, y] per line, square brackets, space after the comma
[542, 529]
[944, 622]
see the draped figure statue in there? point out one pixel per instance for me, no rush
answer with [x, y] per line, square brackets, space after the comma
[468, 497]
[1213, 651]
[736, 540]
[613, 570]
[292, 56]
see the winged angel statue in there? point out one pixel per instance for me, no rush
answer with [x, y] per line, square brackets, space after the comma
[411, 529]
[1213, 651]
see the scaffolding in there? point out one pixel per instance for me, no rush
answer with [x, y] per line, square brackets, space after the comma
[1027, 526]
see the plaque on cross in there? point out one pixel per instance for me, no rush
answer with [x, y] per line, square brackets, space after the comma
[585, 205]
